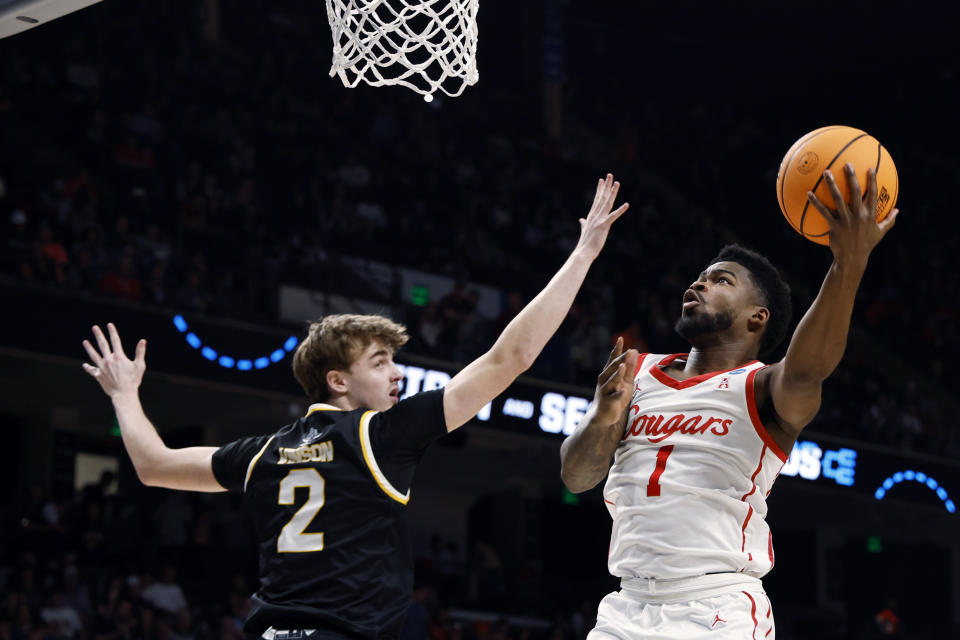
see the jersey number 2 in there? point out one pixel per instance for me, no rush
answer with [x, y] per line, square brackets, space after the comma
[653, 487]
[292, 538]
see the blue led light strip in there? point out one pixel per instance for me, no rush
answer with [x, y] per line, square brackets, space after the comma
[915, 476]
[228, 362]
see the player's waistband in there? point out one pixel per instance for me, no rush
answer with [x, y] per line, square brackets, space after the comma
[696, 588]
[288, 634]
[273, 633]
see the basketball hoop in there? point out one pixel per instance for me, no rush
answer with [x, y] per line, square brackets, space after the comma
[424, 45]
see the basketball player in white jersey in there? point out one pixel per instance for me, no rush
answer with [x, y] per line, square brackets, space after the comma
[697, 439]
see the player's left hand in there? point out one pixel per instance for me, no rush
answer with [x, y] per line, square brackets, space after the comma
[111, 367]
[854, 230]
[595, 227]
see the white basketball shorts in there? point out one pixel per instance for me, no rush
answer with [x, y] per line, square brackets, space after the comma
[731, 607]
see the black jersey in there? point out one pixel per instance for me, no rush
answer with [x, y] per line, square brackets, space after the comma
[328, 496]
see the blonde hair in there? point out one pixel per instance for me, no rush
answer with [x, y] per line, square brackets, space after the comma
[335, 342]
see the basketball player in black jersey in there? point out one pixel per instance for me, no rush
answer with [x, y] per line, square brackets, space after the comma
[328, 492]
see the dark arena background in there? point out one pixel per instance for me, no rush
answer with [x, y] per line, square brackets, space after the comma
[189, 171]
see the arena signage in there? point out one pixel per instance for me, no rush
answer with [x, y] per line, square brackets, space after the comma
[552, 412]
[810, 461]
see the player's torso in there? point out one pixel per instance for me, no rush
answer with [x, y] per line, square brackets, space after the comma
[330, 538]
[688, 485]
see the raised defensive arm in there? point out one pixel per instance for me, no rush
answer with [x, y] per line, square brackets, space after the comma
[524, 338]
[817, 345]
[156, 464]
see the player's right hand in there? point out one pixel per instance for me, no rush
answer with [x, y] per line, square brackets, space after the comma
[615, 385]
[595, 227]
[116, 373]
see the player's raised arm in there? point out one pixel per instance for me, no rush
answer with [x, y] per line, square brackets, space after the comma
[522, 340]
[817, 345]
[586, 453]
[156, 464]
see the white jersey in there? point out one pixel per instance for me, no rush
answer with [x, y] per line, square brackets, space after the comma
[688, 486]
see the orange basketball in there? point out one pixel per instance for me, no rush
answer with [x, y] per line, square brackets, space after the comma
[831, 148]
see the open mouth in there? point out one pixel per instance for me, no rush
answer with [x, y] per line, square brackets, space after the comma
[691, 298]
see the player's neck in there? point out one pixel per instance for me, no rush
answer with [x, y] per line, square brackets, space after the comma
[703, 360]
[343, 402]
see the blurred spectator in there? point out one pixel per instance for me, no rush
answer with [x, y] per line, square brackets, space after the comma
[165, 593]
[52, 257]
[122, 280]
[887, 622]
[632, 338]
[63, 622]
[76, 595]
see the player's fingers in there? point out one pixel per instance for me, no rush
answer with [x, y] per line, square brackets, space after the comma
[872, 190]
[612, 382]
[141, 355]
[92, 370]
[856, 197]
[839, 204]
[616, 351]
[610, 371]
[887, 223]
[597, 195]
[611, 197]
[619, 211]
[115, 339]
[825, 211]
[602, 194]
[101, 341]
[94, 356]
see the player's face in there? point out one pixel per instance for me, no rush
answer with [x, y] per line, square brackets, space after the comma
[715, 301]
[373, 379]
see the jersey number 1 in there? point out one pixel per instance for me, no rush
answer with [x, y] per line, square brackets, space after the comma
[653, 487]
[292, 538]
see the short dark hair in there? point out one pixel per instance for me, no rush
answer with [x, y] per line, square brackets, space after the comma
[773, 289]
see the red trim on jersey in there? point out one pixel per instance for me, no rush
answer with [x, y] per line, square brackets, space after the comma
[666, 379]
[753, 613]
[770, 547]
[774, 480]
[640, 359]
[769, 611]
[608, 502]
[744, 530]
[755, 418]
[753, 478]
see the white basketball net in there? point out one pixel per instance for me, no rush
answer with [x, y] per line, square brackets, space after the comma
[424, 45]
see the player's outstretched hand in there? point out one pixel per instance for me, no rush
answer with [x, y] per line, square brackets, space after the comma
[615, 384]
[595, 227]
[854, 230]
[115, 372]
